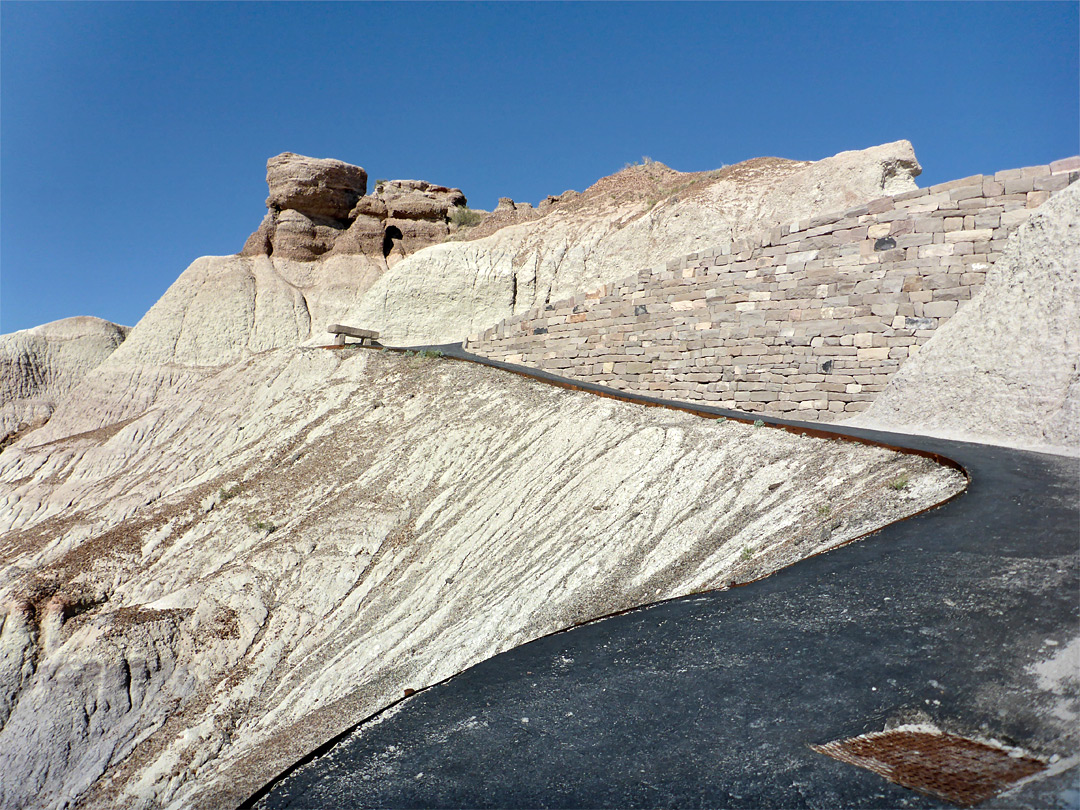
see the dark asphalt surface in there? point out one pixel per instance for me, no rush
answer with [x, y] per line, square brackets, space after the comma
[712, 700]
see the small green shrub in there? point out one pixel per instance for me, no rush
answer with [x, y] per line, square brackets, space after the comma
[747, 553]
[465, 217]
[263, 526]
[430, 354]
[759, 423]
[225, 495]
[899, 483]
[824, 509]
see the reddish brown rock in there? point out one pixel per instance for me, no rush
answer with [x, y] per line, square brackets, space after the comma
[415, 199]
[259, 244]
[319, 188]
[320, 206]
[297, 236]
[365, 236]
[416, 233]
[372, 205]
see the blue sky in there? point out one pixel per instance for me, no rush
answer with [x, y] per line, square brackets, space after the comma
[134, 136]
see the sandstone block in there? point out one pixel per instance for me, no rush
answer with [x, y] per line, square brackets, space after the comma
[1069, 164]
[927, 251]
[877, 353]
[1037, 198]
[1054, 182]
[880, 205]
[1019, 185]
[967, 192]
[984, 234]
[1010, 219]
[939, 309]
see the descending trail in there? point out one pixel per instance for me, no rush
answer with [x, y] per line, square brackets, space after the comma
[966, 616]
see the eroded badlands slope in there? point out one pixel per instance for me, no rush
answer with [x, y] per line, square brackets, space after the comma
[39, 367]
[199, 594]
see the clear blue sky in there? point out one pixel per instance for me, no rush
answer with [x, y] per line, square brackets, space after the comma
[133, 137]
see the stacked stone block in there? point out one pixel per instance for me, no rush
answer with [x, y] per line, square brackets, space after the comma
[810, 322]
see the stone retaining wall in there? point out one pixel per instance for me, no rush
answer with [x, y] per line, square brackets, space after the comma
[810, 322]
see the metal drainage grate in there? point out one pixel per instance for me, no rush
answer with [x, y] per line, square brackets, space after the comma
[956, 769]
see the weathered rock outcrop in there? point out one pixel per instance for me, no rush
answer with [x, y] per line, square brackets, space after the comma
[635, 219]
[318, 207]
[223, 547]
[196, 596]
[40, 366]
[323, 188]
[223, 308]
[308, 267]
[220, 310]
[309, 206]
[1006, 368]
[400, 218]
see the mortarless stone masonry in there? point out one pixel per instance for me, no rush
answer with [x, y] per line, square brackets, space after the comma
[810, 322]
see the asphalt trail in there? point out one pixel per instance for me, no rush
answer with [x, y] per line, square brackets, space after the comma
[712, 700]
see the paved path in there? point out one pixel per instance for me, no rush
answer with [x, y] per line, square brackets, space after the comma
[712, 700]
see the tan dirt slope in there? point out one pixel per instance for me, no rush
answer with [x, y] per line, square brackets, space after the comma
[273, 549]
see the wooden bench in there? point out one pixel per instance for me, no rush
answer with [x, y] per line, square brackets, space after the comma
[340, 332]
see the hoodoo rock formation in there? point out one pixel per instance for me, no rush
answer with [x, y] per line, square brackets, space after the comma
[307, 267]
[319, 207]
